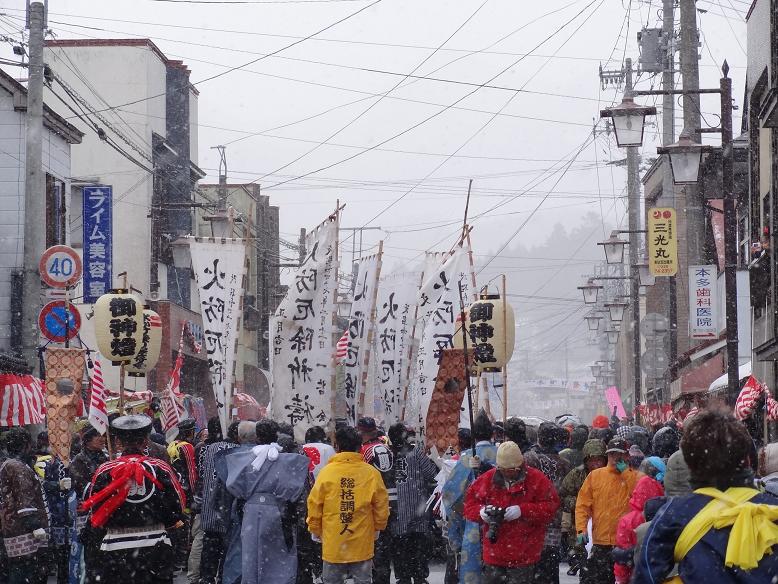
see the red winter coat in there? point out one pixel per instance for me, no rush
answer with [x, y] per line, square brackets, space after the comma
[519, 542]
[645, 489]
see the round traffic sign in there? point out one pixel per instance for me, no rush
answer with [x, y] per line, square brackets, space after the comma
[60, 266]
[53, 324]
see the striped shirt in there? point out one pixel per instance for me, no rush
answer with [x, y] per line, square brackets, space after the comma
[216, 502]
[413, 474]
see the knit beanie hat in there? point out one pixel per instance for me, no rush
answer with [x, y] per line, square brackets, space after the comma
[600, 422]
[509, 455]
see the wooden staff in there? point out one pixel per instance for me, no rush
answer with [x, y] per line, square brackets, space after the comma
[467, 360]
[505, 341]
[370, 333]
[334, 322]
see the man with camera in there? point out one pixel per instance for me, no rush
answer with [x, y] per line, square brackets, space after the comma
[513, 504]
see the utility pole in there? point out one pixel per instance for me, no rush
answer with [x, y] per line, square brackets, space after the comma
[668, 137]
[690, 70]
[34, 186]
[222, 203]
[633, 193]
[301, 245]
[730, 237]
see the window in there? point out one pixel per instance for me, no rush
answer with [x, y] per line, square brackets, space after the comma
[55, 211]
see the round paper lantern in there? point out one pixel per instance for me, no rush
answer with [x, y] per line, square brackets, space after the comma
[119, 325]
[148, 355]
[491, 332]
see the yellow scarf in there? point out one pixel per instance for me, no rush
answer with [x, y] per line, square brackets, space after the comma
[753, 529]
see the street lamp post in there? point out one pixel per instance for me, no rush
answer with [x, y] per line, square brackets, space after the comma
[730, 213]
[685, 156]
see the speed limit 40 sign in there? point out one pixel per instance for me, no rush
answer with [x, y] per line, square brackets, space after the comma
[60, 266]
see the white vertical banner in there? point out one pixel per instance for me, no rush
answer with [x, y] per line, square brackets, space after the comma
[703, 302]
[395, 315]
[220, 270]
[302, 333]
[359, 331]
[438, 303]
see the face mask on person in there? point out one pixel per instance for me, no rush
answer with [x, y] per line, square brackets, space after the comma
[621, 466]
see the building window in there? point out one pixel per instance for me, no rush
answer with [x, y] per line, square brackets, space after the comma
[55, 211]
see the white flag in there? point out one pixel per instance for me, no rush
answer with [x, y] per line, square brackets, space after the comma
[438, 309]
[219, 267]
[302, 333]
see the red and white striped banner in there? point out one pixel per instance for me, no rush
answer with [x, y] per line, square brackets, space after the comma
[98, 413]
[341, 349]
[173, 410]
[22, 400]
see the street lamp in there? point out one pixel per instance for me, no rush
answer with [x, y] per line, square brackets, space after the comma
[613, 336]
[182, 258]
[616, 310]
[685, 158]
[221, 223]
[593, 320]
[590, 290]
[645, 277]
[629, 119]
[614, 248]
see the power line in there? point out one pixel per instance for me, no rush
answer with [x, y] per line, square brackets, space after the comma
[381, 97]
[436, 114]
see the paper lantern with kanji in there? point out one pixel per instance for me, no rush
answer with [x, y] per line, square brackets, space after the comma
[119, 325]
[148, 355]
[491, 332]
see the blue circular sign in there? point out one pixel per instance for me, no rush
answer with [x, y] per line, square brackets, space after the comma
[58, 324]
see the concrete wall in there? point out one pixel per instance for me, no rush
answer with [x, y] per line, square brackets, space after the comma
[56, 161]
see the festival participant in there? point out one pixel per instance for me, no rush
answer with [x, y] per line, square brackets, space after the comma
[23, 519]
[463, 535]
[211, 434]
[410, 526]
[604, 498]
[527, 501]
[267, 485]
[544, 457]
[725, 531]
[133, 502]
[182, 459]
[593, 457]
[573, 455]
[348, 536]
[377, 453]
[317, 449]
[83, 467]
[215, 507]
[648, 487]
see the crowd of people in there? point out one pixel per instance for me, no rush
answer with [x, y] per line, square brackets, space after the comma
[613, 503]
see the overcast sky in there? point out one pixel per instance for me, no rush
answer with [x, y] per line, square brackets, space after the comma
[530, 151]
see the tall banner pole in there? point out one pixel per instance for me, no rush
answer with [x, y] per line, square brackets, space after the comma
[334, 322]
[411, 358]
[505, 341]
[467, 359]
[370, 333]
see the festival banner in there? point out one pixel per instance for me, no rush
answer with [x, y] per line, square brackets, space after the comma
[438, 308]
[63, 400]
[360, 333]
[220, 270]
[302, 332]
[395, 315]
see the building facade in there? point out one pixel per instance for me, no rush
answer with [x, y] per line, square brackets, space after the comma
[138, 111]
[58, 137]
[760, 121]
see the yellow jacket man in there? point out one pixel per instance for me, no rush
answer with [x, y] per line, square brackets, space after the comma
[347, 508]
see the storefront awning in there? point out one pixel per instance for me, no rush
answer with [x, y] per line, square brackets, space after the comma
[722, 382]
